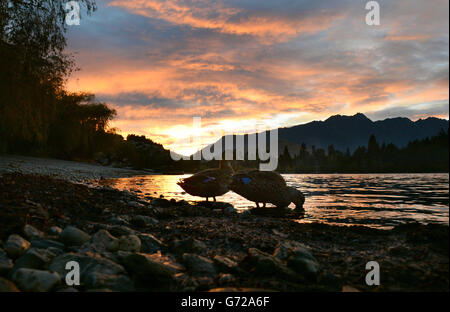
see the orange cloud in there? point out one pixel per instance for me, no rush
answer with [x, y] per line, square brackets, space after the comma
[217, 16]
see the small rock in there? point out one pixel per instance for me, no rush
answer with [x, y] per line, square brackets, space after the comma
[31, 232]
[285, 249]
[199, 266]
[6, 264]
[88, 264]
[117, 221]
[160, 202]
[95, 280]
[100, 242]
[204, 283]
[135, 204]
[263, 264]
[33, 258]
[150, 274]
[188, 245]
[15, 246]
[71, 236]
[298, 258]
[130, 243]
[35, 280]
[226, 265]
[46, 243]
[306, 267]
[54, 230]
[143, 221]
[7, 286]
[226, 278]
[150, 244]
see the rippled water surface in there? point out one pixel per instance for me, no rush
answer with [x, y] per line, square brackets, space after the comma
[376, 200]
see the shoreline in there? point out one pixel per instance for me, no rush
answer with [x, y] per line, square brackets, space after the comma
[156, 244]
[83, 172]
[74, 171]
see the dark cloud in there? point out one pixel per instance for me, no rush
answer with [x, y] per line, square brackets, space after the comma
[140, 99]
[437, 108]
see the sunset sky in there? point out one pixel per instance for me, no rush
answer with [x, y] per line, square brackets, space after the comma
[237, 63]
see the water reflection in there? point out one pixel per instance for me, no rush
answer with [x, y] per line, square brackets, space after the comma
[377, 200]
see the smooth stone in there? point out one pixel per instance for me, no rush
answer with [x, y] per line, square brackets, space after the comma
[263, 264]
[160, 202]
[71, 236]
[95, 280]
[188, 245]
[298, 257]
[100, 242]
[150, 274]
[135, 204]
[6, 264]
[31, 232]
[46, 243]
[303, 266]
[88, 264]
[130, 243]
[199, 266]
[33, 258]
[35, 280]
[226, 278]
[143, 221]
[15, 246]
[226, 265]
[150, 244]
[286, 249]
[7, 286]
[117, 221]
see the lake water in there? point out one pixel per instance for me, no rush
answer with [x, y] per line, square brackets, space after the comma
[375, 200]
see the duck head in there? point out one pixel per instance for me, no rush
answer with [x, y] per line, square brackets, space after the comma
[296, 197]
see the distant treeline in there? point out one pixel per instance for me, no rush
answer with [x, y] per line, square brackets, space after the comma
[37, 115]
[427, 155]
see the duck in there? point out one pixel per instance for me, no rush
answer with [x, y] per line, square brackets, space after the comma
[210, 182]
[266, 187]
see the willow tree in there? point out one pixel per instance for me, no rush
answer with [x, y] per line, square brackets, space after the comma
[33, 69]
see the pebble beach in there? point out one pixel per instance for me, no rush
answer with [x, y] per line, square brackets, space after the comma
[53, 212]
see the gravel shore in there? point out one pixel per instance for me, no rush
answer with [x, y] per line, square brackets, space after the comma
[125, 242]
[78, 172]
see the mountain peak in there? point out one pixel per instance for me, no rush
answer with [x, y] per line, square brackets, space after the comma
[360, 116]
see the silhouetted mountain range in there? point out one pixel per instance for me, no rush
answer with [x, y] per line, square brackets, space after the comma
[353, 131]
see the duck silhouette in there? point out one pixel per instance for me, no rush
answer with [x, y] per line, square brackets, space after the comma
[266, 187]
[210, 182]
